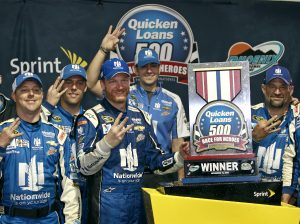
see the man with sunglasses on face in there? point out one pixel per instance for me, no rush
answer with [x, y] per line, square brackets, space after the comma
[273, 130]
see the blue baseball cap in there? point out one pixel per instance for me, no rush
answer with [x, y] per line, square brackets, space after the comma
[146, 56]
[25, 77]
[112, 67]
[279, 72]
[72, 70]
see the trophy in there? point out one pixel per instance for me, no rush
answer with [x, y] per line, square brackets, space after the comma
[220, 124]
[222, 164]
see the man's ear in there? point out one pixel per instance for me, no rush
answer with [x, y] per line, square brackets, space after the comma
[263, 88]
[102, 84]
[13, 96]
[291, 90]
[135, 70]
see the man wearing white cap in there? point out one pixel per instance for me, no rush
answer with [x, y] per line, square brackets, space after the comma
[117, 141]
[34, 161]
[274, 123]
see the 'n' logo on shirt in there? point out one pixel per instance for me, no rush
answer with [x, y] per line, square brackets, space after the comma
[129, 158]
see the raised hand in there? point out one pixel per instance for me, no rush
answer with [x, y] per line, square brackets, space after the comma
[55, 91]
[294, 101]
[111, 39]
[117, 131]
[9, 133]
[266, 127]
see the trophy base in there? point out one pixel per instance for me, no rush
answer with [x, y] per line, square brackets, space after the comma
[195, 180]
[230, 168]
[263, 192]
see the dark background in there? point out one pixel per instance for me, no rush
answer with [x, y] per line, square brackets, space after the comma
[38, 28]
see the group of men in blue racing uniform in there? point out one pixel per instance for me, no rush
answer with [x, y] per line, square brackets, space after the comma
[139, 148]
[61, 164]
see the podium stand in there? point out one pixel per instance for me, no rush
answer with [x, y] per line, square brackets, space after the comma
[162, 209]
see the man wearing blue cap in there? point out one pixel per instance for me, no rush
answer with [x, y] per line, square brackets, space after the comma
[34, 162]
[116, 141]
[166, 109]
[71, 85]
[273, 129]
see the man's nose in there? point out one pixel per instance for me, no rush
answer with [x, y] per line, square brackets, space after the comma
[277, 91]
[73, 86]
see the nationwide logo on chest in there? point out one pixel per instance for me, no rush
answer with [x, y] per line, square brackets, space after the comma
[157, 106]
[129, 158]
[37, 142]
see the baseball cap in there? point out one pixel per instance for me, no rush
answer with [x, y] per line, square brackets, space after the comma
[279, 72]
[25, 77]
[112, 67]
[72, 70]
[146, 56]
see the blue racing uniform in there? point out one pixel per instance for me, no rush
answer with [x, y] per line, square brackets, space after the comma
[118, 172]
[65, 121]
[32, 166]
[276, 152]
[297, 160]
[167, 114]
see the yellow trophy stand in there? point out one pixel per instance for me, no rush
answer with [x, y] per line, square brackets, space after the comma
[168, 209]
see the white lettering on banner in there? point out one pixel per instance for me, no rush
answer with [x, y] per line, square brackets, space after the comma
[38, 66]
[261, 194]
[219, 166]
[157, 24]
